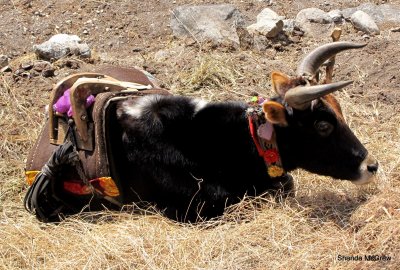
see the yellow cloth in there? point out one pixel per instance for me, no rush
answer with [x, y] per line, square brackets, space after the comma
[30, 177]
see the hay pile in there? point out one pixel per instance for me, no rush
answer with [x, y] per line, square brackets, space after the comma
[326, 218]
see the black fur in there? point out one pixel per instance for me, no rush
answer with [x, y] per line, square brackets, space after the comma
[193, 164]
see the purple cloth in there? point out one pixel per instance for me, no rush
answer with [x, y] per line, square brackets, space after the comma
[63, 104]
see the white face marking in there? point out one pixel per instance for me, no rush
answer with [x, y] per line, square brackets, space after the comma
[199, 104]
[136, 108]
[366, 176]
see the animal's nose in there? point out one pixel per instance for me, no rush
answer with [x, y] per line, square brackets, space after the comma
[373, 168]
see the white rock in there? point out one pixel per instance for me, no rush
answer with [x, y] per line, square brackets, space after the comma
[268, 28]
[363, 22]
[268, 14]
[314, 21]
[336, 15]
[314, 15]
[390, 13]
[268, 24]
[369, 8]
[217, 23]
[61, 45]
[380, 13]
[288, 25]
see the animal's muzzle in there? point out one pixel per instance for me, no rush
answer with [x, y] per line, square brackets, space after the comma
[368, 170]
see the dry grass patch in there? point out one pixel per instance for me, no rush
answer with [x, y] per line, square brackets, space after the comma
[210, 74]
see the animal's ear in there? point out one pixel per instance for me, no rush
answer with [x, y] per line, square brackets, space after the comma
[280, 83]
[275, 113]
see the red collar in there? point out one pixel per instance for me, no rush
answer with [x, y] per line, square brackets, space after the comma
[266, 147]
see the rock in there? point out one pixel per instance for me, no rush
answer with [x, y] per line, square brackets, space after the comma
[314, 15]
[296, 39]
[3, 60]
[72, 64]
[261, 43]
[336, 15]
[45, 68]
[395, 29]
[22, 73]
[268, 2]
[373, 11]
[363, 22]
[26, 65]
[268, 24]
[288, 25]
[380, 13]
[6, 69]
[61, 45]
[347, 12]
[268, 14]
[34, 69]
[69, 63]
[215, 23]
[390, 13]
[268, 28]
[313, 22]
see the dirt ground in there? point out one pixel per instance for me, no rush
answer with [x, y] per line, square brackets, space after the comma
[326, 219]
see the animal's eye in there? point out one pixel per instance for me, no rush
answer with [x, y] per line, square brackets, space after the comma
[324, 128]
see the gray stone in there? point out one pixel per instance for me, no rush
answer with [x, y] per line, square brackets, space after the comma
[3, 60]
[336, 15]
[268, 14]
[380, 13]
[363, 22]
[61, 45]
[261, 43]
[373, 11]
[347, 12]
[314, 22]
[44, 67]
[268, 28]
[268, 24]
[390, 13]
[314, 15]
[216, 23]
[288, 25]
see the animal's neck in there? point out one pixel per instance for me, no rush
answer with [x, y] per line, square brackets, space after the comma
[264, 137]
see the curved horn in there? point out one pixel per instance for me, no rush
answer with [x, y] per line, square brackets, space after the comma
[300, 97]
[310, 64]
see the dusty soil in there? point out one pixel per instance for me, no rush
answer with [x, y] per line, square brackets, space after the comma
[131, 34]
[308, 232]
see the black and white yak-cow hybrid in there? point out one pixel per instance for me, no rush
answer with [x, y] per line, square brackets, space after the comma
[194, 158]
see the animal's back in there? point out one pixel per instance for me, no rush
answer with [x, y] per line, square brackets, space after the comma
[189, 152]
